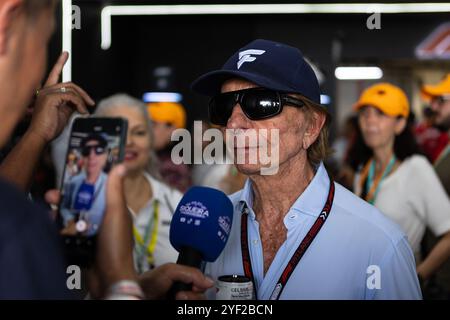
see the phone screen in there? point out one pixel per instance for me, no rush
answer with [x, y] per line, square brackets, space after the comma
[95, 145]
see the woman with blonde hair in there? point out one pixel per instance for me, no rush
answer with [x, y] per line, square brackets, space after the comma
[150, 201]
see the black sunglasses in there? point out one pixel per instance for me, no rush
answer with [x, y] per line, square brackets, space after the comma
[97, 149]
[256, 103]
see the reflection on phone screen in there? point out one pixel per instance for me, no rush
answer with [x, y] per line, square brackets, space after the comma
[92, 151]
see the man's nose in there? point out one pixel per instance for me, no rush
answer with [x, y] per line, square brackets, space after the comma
[91, 153]
[434, 105]
[238, 119]
[370, 116]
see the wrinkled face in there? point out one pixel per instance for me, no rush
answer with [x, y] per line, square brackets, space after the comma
[162, 131]
[291, 125]
[95, 158]
[441, 106]
[25, 54]
[137, 151]
[378, 129]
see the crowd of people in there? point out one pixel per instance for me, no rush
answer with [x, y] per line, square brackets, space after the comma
[315, 229]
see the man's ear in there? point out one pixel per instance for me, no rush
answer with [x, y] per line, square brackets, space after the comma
[316, 123]
[9, 10]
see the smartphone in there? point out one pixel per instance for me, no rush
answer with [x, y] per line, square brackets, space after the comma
[95, 145]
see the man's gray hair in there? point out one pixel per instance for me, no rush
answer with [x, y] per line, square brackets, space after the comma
[121, 100]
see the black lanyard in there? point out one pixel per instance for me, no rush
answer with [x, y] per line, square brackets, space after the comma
[298, 254]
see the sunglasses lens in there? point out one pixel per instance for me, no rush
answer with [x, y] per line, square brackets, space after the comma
[256, 103]
[87, 150]
[221, 107]
[261, 104]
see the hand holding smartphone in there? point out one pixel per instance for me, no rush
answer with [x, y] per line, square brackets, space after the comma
[95, 145]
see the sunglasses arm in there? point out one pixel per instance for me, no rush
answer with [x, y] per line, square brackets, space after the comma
[293, 101]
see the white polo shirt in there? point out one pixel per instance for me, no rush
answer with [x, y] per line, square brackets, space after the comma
[358, 253]
[168, 199]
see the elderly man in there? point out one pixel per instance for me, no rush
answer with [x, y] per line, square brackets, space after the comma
[439, 97]
[296, 234]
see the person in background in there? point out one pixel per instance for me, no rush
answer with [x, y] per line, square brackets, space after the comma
[31, 259]
[438, 99]
[395, 177]
[438, 96]
[168, 117]
[341, 146]
[151, 202]
[431, 139]
[343, 142]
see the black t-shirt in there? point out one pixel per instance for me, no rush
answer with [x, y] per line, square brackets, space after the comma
[31, 258]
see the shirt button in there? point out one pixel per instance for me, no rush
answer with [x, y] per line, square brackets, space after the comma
[255, 242]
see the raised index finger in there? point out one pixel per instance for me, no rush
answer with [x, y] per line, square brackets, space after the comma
[53, 77]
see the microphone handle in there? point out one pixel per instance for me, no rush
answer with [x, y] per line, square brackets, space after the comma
[188, 257]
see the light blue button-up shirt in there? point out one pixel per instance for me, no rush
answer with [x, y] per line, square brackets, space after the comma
[358, 253]
[94, 215]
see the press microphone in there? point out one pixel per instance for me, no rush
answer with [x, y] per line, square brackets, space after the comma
[199, 229]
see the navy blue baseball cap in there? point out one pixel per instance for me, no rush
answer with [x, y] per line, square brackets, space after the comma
[268, 64]
[94, 137]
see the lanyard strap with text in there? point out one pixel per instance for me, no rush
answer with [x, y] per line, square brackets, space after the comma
[298, 254]
[148, 243]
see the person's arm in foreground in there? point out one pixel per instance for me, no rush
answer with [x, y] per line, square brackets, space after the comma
[114, 261]
[52, 111]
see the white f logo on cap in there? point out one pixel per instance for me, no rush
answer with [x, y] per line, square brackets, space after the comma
[246, 56]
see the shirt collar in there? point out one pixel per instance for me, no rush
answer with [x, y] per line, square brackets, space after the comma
[246, 199]
[157, 193]
[310, 202]
[157, 188]
[313, 199]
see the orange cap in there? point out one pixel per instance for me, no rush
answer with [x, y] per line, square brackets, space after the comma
[442, 88]
[390, 99]
[170, 112]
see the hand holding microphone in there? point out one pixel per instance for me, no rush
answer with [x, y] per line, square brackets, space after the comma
[156, 283]
[199, 229]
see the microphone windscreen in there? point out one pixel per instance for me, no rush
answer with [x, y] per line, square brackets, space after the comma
[202, 221]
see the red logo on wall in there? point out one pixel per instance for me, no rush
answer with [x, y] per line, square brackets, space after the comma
[436, 45]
